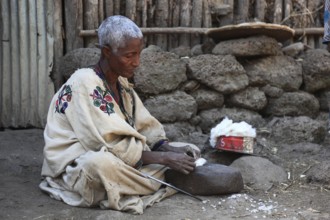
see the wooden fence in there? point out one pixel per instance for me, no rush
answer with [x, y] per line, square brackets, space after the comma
[80, 15]
[35, 34]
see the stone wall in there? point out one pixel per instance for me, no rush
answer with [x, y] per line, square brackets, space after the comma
[280, 91]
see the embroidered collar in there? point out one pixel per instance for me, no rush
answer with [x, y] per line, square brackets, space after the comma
[99, 73]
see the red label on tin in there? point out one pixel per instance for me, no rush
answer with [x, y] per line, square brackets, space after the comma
[230, 143]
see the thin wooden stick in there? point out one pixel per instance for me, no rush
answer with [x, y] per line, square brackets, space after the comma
[189, 30]
[164, 30]
[308, 31]
[278, 11]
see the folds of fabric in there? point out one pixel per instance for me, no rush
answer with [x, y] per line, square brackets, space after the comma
[101, 179]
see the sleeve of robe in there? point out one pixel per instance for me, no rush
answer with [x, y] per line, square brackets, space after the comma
[85, 126]
[147, 125]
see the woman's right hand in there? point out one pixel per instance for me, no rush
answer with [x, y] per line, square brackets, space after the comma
[179, 161]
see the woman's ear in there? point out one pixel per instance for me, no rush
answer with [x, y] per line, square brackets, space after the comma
[107, 51]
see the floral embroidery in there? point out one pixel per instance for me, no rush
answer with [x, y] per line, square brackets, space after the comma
[103, 100]
[64, 97]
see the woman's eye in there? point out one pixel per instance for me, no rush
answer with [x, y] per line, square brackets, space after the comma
[129, 56]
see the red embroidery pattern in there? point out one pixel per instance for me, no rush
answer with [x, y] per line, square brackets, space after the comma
[64, 97]
[103, 100]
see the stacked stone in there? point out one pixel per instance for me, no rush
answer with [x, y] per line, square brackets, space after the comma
[250, 79]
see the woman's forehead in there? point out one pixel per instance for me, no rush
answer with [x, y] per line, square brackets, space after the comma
[132, 45]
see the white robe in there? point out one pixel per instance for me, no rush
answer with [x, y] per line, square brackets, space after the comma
[85, 122]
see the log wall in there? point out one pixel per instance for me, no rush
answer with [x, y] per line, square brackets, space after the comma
[191, 13]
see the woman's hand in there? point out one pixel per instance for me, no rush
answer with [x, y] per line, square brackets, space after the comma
[179, 162]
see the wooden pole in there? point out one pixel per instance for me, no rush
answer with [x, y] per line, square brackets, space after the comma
[308, 31]
[164, 30]
[260, 9]
[228, 18]
[196, 20]
[184, 39]
[108, 7]
[144, 13]
[130, 11]
[101, 11]
[73, 24]
[242, 14]
[161, 20]
[150, 21]
[202, 31]
[139, 8]
[91, 19]
[58, 42]
[116, 7]
[278, 11]
[144, 18]
[287, 8]
[175, 22]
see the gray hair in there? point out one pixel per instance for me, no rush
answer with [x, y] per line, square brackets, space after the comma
[116, 30]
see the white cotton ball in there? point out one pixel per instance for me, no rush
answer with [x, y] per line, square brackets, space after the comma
[200, 162]
[221, 129]
[227, 128]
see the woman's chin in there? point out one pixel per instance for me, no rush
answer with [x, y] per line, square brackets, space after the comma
[128, 74]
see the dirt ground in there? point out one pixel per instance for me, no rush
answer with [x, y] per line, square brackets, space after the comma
[20, 197]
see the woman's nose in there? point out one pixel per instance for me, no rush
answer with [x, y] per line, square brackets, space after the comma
[136, 61]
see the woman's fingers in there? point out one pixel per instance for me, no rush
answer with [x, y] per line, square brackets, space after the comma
[190, 151]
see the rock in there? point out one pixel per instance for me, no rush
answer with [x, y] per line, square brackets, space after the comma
[316, 69]
[182, 51]
[210, 179]
[248, 47]
[221, 73]
[301, 148]
[324, 100]
[293, 104]
[303, 151]
[73, 60]
[208, 46]
[207, 99]
[272, 91]
[197, 138]
[319, 173]
[210, 118]
[213, 155]
[250, 98]
[294, 50]
[152, 48]
[190, 86]
[167, 108]
[197, 50]
[278, 71]
[293, 130]
[176, 131]
[159, 72]
[258, 172]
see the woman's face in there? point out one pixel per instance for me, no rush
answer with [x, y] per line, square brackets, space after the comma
[126, 59]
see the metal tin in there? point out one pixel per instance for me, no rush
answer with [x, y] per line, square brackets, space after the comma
[236, 144]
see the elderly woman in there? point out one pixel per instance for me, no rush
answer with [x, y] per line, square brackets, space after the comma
[100, 139]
